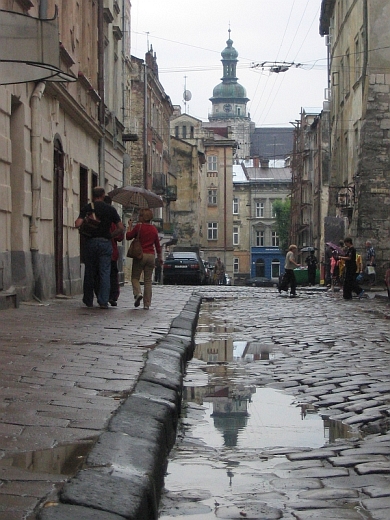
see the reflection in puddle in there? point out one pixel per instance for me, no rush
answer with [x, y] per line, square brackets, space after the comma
[236, 430]
[61, 460]
[255, 418]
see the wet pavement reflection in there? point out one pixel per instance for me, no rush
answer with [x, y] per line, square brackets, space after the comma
[60, 460]
[235, 427]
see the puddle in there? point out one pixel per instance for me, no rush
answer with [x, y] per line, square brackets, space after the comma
[256, 418]
[236, 428]
[61, 460]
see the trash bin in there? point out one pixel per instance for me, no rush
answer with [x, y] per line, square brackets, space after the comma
[301, 276]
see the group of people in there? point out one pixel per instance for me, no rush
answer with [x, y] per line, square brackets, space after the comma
[349, 268]
[101, 253]
[335, 265]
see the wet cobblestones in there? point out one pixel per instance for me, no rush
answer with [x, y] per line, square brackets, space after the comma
[333, 355]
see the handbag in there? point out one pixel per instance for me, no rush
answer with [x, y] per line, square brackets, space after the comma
[370, 269]
[135, 249]
[90, 224]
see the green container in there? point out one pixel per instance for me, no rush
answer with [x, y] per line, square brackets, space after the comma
[301, 276]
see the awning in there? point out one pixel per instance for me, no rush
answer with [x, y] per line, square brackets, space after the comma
[29, 49]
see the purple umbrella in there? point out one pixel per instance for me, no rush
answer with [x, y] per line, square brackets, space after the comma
[335, 247]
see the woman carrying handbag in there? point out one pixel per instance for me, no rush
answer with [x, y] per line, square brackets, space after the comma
[150, 243]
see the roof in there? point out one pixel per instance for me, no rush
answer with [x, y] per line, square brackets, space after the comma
[272, 142]
[244, 174]
[269, 174]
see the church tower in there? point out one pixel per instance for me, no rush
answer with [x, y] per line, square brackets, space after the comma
[229, 103]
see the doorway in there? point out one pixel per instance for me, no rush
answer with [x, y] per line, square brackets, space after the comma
[58, 200]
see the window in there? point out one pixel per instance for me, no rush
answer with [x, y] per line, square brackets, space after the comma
[212, 163]
[235, 206]
[259, 238]
[236, 236]
[184, 132]
[259, 208]
[275, 239]
[212, 231]
[273, 213]
[212, 197]
[275, 266]
[260, 267]
[176, 131]
[192, 132]
[236, 265]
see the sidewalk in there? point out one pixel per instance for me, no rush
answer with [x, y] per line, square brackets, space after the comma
[65, 371]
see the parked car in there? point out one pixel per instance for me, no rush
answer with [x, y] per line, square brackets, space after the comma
[184, 267]
[259, 281]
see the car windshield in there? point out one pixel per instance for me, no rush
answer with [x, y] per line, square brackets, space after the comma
[183, 255]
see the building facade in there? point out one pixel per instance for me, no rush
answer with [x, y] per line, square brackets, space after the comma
[359, 56]
[58, 141]
[149, 149]
[256, 246]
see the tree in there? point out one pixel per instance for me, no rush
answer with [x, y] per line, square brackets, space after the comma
[282, 211]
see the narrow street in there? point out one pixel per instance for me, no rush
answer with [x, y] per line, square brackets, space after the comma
[287, 411]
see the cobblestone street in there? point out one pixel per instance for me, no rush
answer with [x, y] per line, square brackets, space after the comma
[66, 369]
[328, 353]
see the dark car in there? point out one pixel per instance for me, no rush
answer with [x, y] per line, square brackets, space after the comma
[259, 281]
[182, 267]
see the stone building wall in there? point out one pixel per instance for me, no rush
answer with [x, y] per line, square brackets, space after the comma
[373, 182]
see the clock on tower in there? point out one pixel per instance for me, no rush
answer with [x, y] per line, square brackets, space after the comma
[227, 107]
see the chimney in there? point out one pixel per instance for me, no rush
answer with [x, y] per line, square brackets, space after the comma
[256, 161]
[264, 163]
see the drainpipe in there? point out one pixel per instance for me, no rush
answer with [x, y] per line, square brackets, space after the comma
[224, 205]
[43, 9]
[145, 124]
[36, 165]
[102, 118]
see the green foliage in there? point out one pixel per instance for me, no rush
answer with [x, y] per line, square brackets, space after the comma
[282, 210]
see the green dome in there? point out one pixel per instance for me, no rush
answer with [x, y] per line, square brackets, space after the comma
[229, 90]
[229, 53]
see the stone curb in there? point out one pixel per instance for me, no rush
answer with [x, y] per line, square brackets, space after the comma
[124, 472]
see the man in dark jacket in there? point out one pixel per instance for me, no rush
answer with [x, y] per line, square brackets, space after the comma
[98, 247]
[311, 262]
[350, 283]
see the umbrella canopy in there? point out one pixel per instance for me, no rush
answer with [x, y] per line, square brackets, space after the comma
[335, 247]
[134, 197]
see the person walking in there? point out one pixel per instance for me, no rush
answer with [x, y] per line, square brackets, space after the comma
[150, 243]
[288, 279]
[370, 263]
[350, 284]
[219, 272]
[114, 273]
[98, 248]
[311, 262]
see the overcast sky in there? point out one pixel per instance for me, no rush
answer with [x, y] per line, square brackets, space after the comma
[188, 37]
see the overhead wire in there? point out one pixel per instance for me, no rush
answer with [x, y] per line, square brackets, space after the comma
[277, 54]
[296, 32]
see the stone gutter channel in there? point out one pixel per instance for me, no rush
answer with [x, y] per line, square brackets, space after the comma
[124, 472]
[123, 476]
